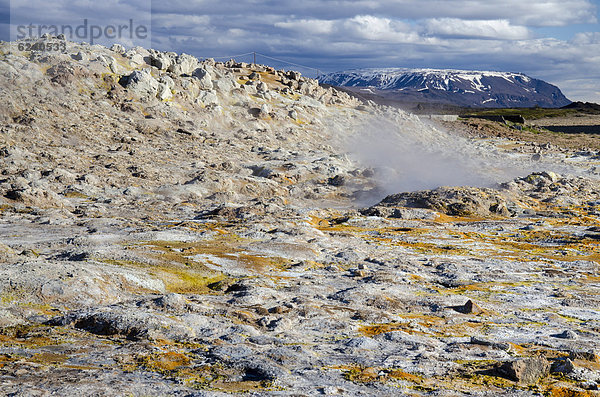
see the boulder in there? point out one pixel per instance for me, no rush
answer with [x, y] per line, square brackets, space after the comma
[293, 75]
[109, 62]
[204, 79]
[141, 83]
[207, 98]
[184, 64]
[161, 60]
[224, 85]
[136, 60]
[526, 371]
[455, 201]
[168, 81]
[164, 92]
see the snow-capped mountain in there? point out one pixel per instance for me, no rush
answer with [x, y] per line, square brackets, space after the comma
[457, 87]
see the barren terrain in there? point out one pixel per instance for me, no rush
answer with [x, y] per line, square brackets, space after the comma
[170, 226]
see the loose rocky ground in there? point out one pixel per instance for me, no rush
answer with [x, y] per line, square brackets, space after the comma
[533, 132]
[172, 226]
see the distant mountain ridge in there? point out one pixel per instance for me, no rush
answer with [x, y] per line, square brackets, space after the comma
[466, 88]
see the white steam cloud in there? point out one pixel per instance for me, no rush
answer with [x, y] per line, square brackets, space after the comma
[409, 155]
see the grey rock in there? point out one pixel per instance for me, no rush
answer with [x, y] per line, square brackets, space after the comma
[161, 60]
[164, 92]
[469, 307]
[142, 83]
[204, 79]
[362, 343]
[118, 48]
[184, 64]
[566, 334]
[174, 302]
[565, 366]
[590, 355]
[207, 98]
[136, 60]
[131, 325]
[80, 56]
[527, 371]
[224, 85]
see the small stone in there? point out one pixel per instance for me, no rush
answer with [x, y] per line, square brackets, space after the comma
[118, 48]
[279, 325]
[261, 311]
[80, 56]
[337, 180]
[550, 175]
[530, 227]
[279, 310]
[469, 308]
[589, 355]
[495, 345]
[564, 367]
[566, 334]
[28, 252]
[171, 301]
[589, 385]
[332, 390]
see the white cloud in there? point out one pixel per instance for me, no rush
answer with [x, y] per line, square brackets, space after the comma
[307, 26]
[492, 29]
[518, 12]
[553, 13]
[357, 29]
[586, 38]
[179, 21]
[368, 27]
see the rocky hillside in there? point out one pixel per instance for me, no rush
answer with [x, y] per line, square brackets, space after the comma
[456, 87]
[175, 226]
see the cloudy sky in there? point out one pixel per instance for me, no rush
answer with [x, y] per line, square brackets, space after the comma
[555, 40]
